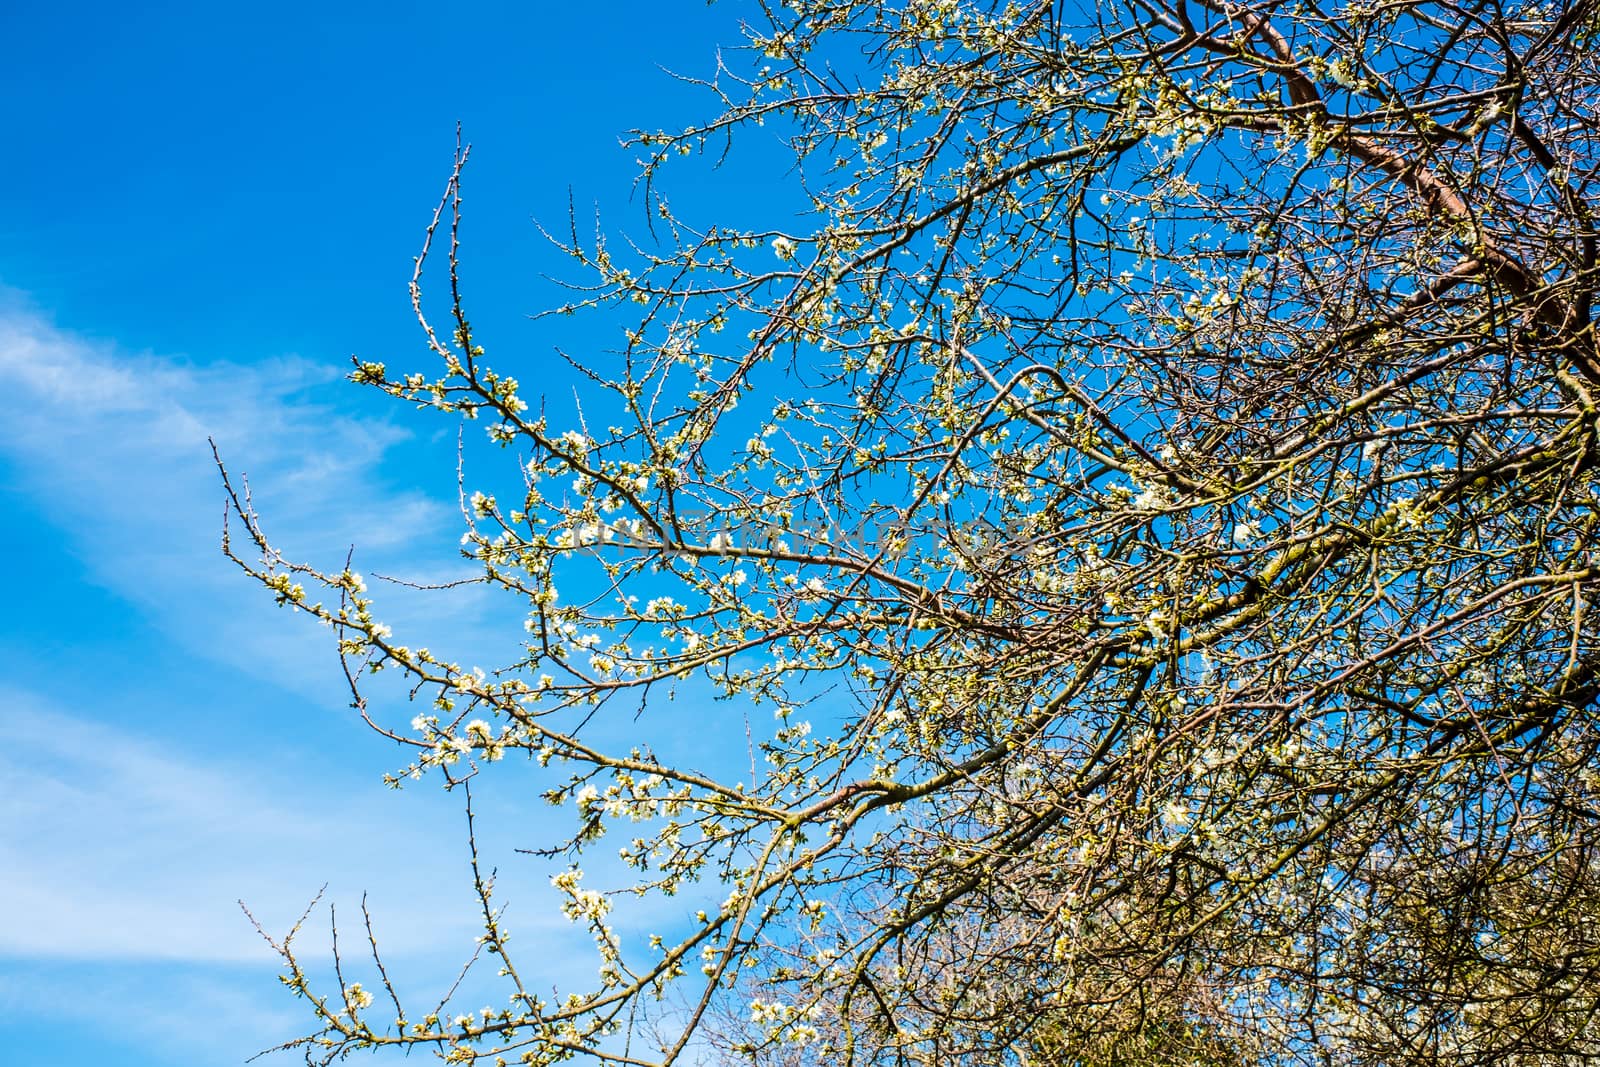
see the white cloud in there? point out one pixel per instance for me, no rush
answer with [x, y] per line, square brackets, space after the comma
[150, 1014]
[113, 448]
[124, 859]
[129, 844]
[117, 847]
[115, 843]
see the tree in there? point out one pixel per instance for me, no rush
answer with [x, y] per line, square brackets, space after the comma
[1154, 489]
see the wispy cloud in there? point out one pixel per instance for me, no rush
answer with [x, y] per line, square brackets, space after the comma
[120, 840]
[118, 847]
[148, 1014]
[113, 447]
[125, 843]
[124, 859]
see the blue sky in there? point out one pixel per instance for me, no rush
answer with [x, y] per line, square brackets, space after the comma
[209, 209]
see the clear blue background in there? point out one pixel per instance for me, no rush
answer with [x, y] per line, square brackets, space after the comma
[208, 209]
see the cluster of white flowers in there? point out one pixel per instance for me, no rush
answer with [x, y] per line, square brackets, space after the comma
[658, 607]
[784, 1022]
[285, 587]
[1153, 498]
[1408, 512]
[580, 903]
[589, 533]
